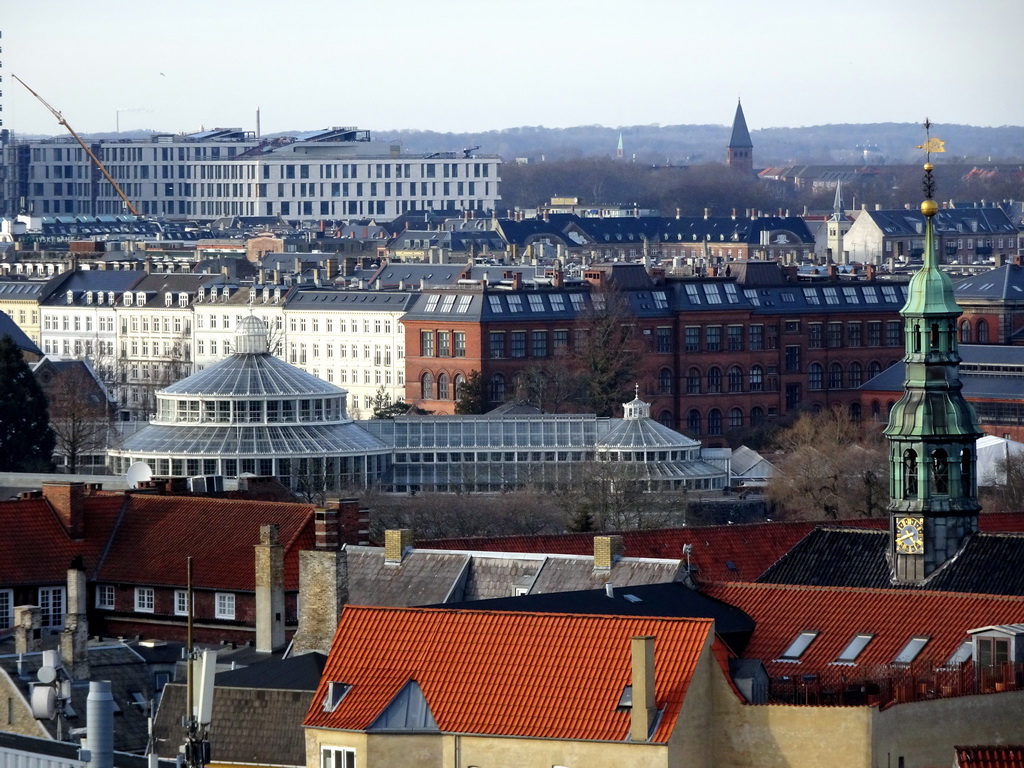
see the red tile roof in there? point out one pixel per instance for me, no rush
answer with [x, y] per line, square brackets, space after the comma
[35, 548]
[506, 673]
[782, 612]
[990, 757]
[156, 534]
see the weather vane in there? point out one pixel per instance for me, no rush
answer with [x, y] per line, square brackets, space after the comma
[931, 144]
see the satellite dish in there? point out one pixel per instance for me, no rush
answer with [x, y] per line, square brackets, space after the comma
[46, 675]
[138, 472]
[44, 702]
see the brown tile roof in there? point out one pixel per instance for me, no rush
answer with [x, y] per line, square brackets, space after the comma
[156, 534]
[1009, 756]
[893, 617]
[506, 673]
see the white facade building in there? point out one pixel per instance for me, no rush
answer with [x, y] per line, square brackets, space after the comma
[332, 174]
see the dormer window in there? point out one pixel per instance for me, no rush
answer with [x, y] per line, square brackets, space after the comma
[127, 299]
[201, 296]
[71, 297]
[110, 298]
[182, 299]
[140, 299]
[89, 297]
[167, 299]
[335, 693]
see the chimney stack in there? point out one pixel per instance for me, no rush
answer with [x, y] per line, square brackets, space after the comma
[323, 591]
[644, 708]
[99, 722]
[67, 500]
[269, 591]
[353, 522]
[325, 528]
[608, 550]
[28, 629]
[396, 543]
[74, 639]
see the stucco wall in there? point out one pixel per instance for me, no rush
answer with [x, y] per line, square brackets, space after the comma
[924, 733]
[17, 717]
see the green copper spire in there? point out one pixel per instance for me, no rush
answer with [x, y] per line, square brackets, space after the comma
[932, 429]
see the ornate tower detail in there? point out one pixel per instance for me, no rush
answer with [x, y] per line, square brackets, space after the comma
[932, 429]
[619, 152]
[740, 152]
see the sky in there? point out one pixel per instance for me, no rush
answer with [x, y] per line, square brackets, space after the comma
[465, 66]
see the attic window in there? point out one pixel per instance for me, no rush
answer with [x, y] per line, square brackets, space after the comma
[632, 599]
[910, 650]
[853, 650]
[961, 654]
[798, 646]
[626, 699]
[335, 693]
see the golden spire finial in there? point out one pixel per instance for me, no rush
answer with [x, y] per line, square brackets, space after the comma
[932, 144]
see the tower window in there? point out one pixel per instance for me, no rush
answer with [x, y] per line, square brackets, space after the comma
[910, 473]
[940, 472]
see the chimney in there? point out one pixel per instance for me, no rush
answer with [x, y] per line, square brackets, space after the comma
[323, 591]
[353, 522]
[869, 272]
[608, 550]
[28, 629]
[707, 211]
[325, 528]
[269, 591]
[99, 721]
[643, 710]
[67, 499]
[74, 639]
[517, 281]
[396, 543]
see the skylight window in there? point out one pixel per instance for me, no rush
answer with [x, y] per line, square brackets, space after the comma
[853, 650]
[660, 299]
[798, 646]
[788, 298]
[692, 294]
[463, 305]
[448, 303]
[851, 295]
[752, 297]
[889, 292]
[577, 301]
[536, 302]
[432, 302]
[730, 294]
[961, 654]
[811, 296]
[335, 693]
[831, 295]
[557, 302]
[911, 650]
[515, 303]
[495, 304]
[711, 293]
[870, 294]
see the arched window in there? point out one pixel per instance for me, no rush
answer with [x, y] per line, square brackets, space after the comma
[966, 475]
[756, 378]
[428, 386]
[497, 388]
[665, 418]
[874, 368]
[693, 421]
[855, 413]
[940, 471]
[443, 389]
[665, 382]
[735, 379]
[815, 376]
[910, 473]
[856, 377]
[714, 380]
[735, 418]
[756, 416]
[876, 410]
[965, 331]
[835, 376]
[983, 331]
[693, 381]
[714, 422]
[460, 382]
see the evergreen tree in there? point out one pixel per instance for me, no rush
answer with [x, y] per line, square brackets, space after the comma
[470, 397]
[26, 440]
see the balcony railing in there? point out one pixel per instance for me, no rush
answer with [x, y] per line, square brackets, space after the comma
[885, 685]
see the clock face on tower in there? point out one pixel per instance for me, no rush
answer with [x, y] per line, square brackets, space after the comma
[910, 535]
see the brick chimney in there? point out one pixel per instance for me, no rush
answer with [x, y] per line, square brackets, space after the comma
[269, 591]
[396, 543]
[869, 272]
[323, 591]
[325, 527]
[353, 522]
[644, 709]
[67, 500]
[607, 551]
[28, 629]
[74, 639]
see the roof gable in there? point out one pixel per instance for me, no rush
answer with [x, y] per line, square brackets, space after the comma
[507, 674]
[408, 711]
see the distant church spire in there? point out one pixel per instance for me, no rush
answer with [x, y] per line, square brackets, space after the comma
[837, 204]
[619, 151]
[739, 153]
[932, 430]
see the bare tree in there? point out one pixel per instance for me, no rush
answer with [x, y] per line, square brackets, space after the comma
[829, 467]
[81, 415]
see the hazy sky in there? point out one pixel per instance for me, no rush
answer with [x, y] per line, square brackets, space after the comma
[455, 65]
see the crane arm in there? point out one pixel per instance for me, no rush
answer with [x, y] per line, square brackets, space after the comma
[60, 119]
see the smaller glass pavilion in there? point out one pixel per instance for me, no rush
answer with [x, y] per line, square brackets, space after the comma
[252, 413]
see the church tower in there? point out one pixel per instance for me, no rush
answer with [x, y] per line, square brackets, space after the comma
[740, 152]
[932, 430]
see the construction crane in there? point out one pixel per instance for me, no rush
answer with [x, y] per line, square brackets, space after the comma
[89, 152]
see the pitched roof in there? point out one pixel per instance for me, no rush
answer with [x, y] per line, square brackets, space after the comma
[1009, 756]
[838, 614]
[740, 138]
[156, 535]
[508, 674]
